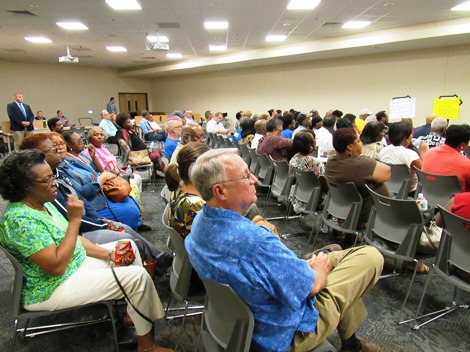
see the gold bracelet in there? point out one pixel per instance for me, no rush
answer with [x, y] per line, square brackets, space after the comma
[110, 253]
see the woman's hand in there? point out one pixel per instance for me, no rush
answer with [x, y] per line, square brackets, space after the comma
[105, 176]
[74, 208]
[91, 150]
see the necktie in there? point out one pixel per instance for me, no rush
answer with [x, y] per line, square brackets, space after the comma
[22, 109]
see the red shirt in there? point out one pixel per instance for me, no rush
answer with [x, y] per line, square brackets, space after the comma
[445, 160]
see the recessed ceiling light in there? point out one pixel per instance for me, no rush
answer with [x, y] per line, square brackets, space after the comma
[276, 37]
[38, 40]
[303, 4]
[117, 49]
[217, 47]
[174, 55]
[124, 4]
[216, 25]
[355, 24]
[465, 6]
[158, 38]
[72, 25]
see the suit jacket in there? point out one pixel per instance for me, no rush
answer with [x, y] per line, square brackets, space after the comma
[16, 117]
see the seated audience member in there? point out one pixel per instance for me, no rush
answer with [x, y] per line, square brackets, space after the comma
[129, 140]
[303, 145]
[352, 118]
[324, 134]
[62, 269]
[75, 156]
[188, 116]
[62, 118]
[173, 129]
[343, 123]
[216, 126]
[103, 156]
[288, 125]
[447, 159]
[55, 125]
[273, 144]
[424, 130]
[238, 117]
[303, 122]
[338, 114]
[93, 227]
[382, 116]
[108, 126]
[317, 123]
[191, 132]
[400, 136]
[39, 116]
[260, 129]
[371, 138]
[348, 165]
[360, 121]
[207, 118]
[150, 129]
[248, 130]
[225, 247]
[437, 137]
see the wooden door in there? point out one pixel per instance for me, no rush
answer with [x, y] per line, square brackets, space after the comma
[133, 103]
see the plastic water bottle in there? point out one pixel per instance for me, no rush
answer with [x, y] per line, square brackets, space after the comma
[152, 145]
[422, 202]
[129, 170]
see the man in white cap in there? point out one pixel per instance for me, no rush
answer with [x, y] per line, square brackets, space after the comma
[363, 113]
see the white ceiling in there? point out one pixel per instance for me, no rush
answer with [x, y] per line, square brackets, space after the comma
[396, 25]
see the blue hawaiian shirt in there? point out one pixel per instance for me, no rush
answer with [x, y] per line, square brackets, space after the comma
[225, 247]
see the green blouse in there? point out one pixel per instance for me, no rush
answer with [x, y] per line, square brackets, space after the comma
[183, 209]
[25, 231]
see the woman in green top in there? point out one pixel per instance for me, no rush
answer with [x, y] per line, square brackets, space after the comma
[62, 269]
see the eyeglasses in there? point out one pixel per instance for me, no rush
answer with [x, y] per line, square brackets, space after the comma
[61, 144]
[246, 177]
[80, 141]
[180, 126]
[200, 137]
[50, 180]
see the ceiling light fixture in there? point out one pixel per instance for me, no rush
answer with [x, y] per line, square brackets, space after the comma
[215, 24]
[465, 6]
[116, 49]
[124, 4]
[217, 47]
[303, 4]
[174, 55]
[72, 25]
[276, 37]
[355, 24]
[158, 38]
[38, 40]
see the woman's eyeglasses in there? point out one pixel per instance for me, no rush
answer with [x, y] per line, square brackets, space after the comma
[51, 179]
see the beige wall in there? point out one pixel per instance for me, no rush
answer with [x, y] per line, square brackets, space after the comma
[348, 84]
[72, 88]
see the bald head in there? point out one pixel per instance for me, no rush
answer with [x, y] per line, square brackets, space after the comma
[192, 133]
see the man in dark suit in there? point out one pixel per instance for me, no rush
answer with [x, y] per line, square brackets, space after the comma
[21, 119]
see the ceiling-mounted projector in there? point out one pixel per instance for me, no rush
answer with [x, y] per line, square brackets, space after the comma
[68, 57]
[158, 46]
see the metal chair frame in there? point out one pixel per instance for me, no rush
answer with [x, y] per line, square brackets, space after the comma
[400, 180]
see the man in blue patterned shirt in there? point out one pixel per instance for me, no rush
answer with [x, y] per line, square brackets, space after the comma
[296, 303]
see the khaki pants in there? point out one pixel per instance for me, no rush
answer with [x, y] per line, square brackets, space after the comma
[94, 282]
[339, 304]
[18, 137]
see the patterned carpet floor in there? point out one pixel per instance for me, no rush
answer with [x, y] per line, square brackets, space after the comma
[448, 334]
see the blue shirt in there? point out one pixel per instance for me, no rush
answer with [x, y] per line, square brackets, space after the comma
[170, 146]
[287, 133]
[225, 247]
[237, 136]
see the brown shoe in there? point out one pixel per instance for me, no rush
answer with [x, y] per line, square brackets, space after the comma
[154, 348]
[368, 347]
[327, 249]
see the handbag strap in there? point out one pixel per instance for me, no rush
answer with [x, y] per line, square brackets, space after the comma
[426, 231]
[127, 297]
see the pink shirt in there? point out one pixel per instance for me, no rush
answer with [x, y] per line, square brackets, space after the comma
[106, 159]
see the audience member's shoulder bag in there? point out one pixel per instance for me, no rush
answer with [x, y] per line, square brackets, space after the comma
[116, 189]
[430, 238]
[138, 157]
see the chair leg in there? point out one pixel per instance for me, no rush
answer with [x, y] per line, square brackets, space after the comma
[113, 325]
[408, 292]
[15, 327]
[182, 325]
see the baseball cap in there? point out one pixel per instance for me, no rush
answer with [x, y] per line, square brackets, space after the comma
[365, 111]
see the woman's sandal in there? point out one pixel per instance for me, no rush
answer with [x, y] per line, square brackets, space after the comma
[154, 348]
[422, 268]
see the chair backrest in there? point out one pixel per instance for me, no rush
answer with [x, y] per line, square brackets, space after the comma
[398, 221]
[454, 248]
[86, 121]
[16, 306]
[254, 161]
[165, 194]
[438, 189]
[245, 153]
[307, 189]
[166, 223]
[400, 180]
[181, 268]
[266, 170]
[113, 148]
[220, 141]
[282, 180]
[211, 140]
[227, 322]
[343, 201]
